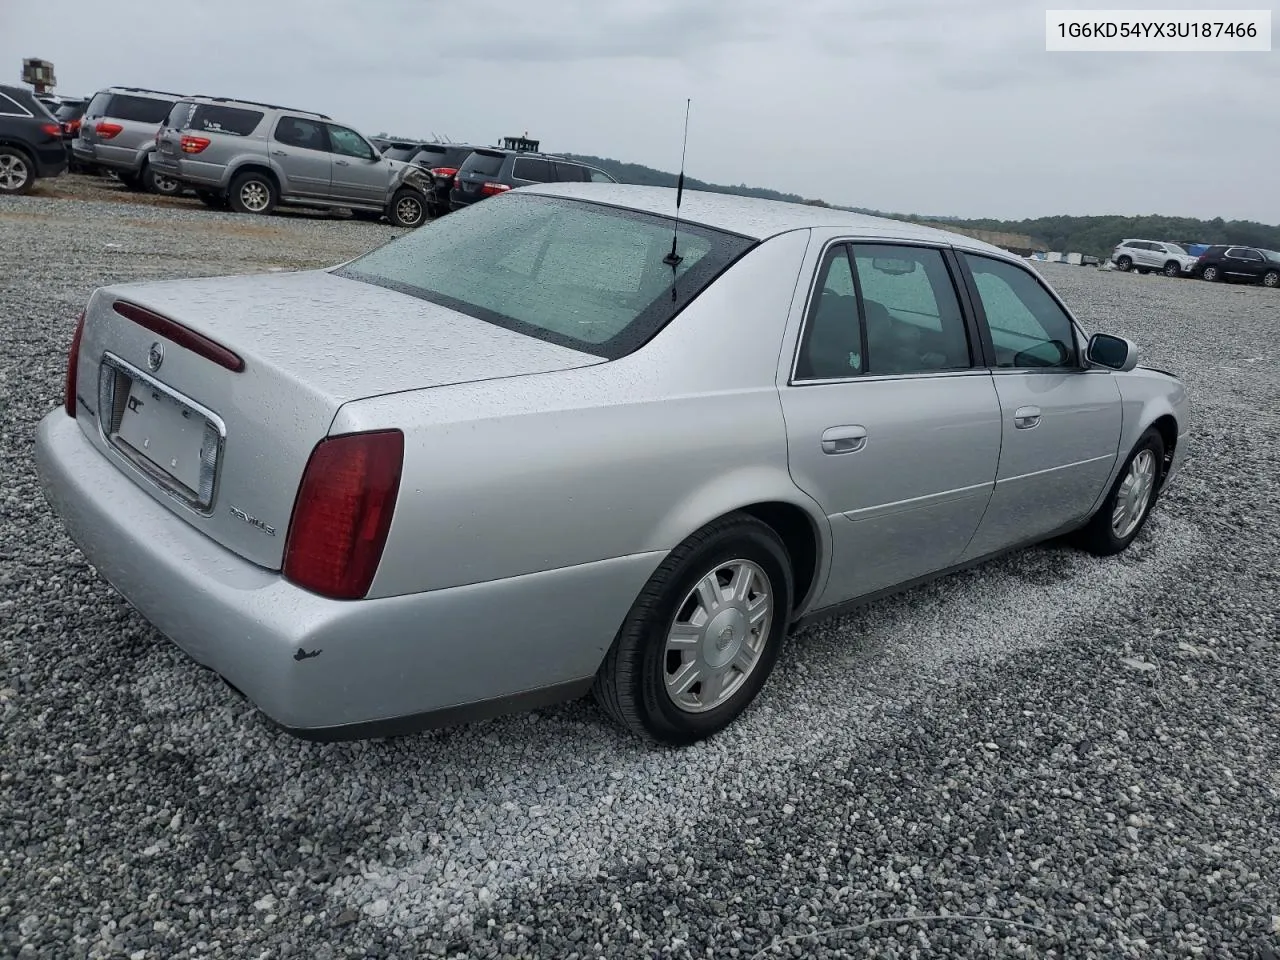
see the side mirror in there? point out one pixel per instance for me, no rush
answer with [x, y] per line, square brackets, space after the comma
[1115, 353]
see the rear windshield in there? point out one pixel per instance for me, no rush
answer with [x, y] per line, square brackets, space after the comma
[400, 151]
[573, 273]
[484, 162]
[70, 111]
[236, 121]
[139, 109]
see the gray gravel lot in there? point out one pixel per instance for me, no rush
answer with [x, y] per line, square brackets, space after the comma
[1084, 753]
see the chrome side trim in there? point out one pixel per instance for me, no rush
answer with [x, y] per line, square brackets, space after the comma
[1064, 466]
[915, 503]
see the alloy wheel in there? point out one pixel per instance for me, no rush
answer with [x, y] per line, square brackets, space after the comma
[255, 196]
[14, 173]
[1134, 495]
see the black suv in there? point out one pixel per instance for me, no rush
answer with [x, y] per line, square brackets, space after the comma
[1249, 264]
[30, 141]
[493, 170]
[441, 160]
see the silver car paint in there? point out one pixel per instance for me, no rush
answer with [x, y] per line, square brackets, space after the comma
[533, 507]
[126, 152]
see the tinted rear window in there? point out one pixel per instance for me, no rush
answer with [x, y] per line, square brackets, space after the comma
[236, 121]
[401, 151]
[576, 274]
[484, 162]
[139, 109]
[70, 111]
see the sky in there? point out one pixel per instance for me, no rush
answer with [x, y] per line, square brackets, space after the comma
[940, 107]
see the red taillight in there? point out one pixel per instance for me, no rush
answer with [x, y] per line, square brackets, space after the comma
[444, 171]
[71, 126]
[197, 343]
[489, 189]
[194, 144]
[52, 129]
[106, 130]
[73, 364]
[343, 513]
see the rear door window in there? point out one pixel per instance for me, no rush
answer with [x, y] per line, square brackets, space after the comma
[302, 133]
[534, 169]
[9, 107]
[348, 143]
[236, 121]
[139, 109]
[570, 172]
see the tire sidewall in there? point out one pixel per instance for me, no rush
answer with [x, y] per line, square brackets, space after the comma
[239, 185]
[1125, 263]
[1275, 279]
[660, 714]
[1172, 270]
[1210, 273]
[1148, 441]
[393, 214]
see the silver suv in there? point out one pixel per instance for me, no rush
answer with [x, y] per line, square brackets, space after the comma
[118, 135]
[1143, 256]
[253, 156]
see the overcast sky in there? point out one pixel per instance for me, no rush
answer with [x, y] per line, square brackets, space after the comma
[914, 106]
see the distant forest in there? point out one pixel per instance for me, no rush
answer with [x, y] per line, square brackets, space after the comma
[1093, 235]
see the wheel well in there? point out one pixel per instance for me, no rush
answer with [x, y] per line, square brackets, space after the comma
[21, 148]
[1167, 427]
[796, 530]
[254, 168]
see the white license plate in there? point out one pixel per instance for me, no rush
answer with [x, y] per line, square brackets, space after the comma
[163, 431]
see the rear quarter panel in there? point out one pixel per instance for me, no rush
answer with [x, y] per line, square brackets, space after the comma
[510, 477]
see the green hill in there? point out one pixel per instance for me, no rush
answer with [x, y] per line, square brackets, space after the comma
[1097, 235]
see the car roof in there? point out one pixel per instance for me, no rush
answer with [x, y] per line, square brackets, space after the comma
[143, 91]
[751, 216]
[237, 102]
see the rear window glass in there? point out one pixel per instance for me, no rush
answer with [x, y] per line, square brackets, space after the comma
[400, 151]
[236, 121]
[486, 163]
[139, 109]
[577, 274]
[70, 111]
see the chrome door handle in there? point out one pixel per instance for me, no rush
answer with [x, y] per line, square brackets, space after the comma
[279, 153]
[848, 439]
[1025, 418]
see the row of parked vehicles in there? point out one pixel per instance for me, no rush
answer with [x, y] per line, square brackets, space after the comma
[253, 157]
[1213, 262]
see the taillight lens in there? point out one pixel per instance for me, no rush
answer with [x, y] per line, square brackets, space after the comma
[194, 144]
[444, 171]
[106, 130]
[72, 126]
[343, 513]
[73, 363]
[489, 189]
[51, 129]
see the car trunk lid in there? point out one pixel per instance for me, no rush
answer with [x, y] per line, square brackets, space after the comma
[224, 448]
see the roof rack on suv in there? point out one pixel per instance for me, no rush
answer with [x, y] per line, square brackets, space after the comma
[163, 93]
[256, 103]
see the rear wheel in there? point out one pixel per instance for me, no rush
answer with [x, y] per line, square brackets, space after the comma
[253, 192]
[130, 181]
[1172, 268]
[408, 209]
[1124, 263]
[1271, 278]
[1211, 273]
[158, 183]
[703, 636]
[17, 173]
[1125, 510]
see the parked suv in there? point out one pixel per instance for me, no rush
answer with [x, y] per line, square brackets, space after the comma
[1250, 264]
[442, 160]
[489, 171]
[30, 141]
[118, 135]
[253, 156]
[1144, 256]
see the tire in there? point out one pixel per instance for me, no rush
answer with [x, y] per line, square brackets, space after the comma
[17, 172]
[253, 192]
[1172, 268]
[632, 682]
[1105, 534]
[1271, 279]
[1211, 273]
[1125, 263]
[153, 182]
[408, 209]
[214, 201]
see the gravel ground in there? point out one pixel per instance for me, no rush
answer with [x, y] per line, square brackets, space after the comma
[1083, 754]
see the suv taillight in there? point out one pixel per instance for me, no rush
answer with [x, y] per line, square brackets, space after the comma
[194, 144]
[51, 129]
[489, 189]
[444, 171]
[73, 363]
[106, 129]
[343, 513]
[71, 126]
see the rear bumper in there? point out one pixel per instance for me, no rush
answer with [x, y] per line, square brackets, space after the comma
[331, 669]
[51, 160]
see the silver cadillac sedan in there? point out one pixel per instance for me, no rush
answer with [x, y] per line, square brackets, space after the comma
[561, 442]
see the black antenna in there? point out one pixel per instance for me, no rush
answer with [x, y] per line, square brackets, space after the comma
[673, 259]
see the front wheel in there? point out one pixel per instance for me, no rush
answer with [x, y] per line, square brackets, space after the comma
[1271, 278]
[1128, 504]
[1172, 268]
[703, 636]
[407, 209]
[1211, 274]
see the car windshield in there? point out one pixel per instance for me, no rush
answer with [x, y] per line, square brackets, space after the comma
[573, 273]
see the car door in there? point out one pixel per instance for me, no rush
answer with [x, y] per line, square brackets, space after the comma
[1060, 421]
[891, 426]
[360, 173]
[300, 156]
[1244, 262]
